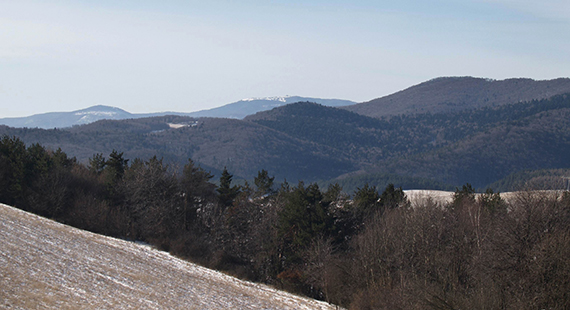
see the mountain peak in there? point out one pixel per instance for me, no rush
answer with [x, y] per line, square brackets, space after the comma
[277, 98]
[448, 94]
[100, 111]
[68, 119]
[101, 107]
[250, 106]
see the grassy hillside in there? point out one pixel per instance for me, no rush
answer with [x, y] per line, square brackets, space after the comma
[48, 265]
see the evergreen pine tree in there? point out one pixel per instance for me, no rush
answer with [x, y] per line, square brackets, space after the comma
[263, 183]
[226, 192]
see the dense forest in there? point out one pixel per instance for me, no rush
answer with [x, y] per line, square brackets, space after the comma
[480, 146]
[373, 250]
[314, 143]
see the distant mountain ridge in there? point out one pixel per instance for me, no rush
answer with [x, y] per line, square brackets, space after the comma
[67, 119]
[439, 95]
[245, 107]
[449, 94]
[237, 110]
[311, 142]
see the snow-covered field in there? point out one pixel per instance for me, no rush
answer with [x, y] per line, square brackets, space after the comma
[419, 196]
[47, 265]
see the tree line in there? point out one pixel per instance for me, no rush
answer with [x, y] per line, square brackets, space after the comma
[374, 250]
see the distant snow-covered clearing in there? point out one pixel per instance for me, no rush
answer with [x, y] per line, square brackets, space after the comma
[44, 264]
[177, 126]
[419, 196]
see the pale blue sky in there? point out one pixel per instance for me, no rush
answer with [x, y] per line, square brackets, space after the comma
[150, 56]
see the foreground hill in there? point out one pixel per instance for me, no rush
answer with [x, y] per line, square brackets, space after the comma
[450, 94]
[49, 265]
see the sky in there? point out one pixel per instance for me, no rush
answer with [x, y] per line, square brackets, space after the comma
[184, 56]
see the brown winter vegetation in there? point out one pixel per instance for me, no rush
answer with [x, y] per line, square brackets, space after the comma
[370, 251]
[472, 254]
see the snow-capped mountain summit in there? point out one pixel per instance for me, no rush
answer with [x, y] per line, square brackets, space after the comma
[248, 106]
[282, 99]
[99, 112]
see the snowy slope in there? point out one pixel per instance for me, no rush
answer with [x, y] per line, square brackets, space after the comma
[44, 264]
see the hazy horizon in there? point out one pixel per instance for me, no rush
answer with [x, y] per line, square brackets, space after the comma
[185, 56]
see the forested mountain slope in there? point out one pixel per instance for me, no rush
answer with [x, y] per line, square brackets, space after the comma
[477, 145]
[310, 142]
[243, 147]
[534, 179]
[539, 141]
[449, 94]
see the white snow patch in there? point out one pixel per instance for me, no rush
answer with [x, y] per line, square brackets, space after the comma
[96, 113]
[418, 196]
[177, 126]
[281, 99]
